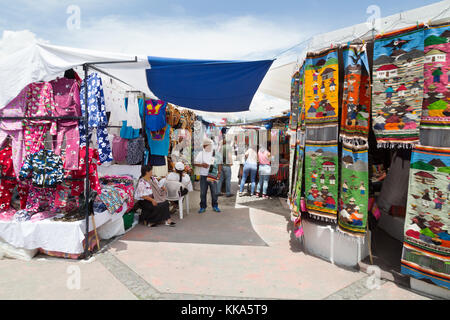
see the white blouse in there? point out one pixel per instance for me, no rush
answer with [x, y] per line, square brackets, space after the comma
[143, 189]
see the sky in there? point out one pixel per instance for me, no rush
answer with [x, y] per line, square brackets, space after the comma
[232, 29]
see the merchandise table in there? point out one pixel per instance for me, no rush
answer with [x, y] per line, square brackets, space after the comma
[51, 235]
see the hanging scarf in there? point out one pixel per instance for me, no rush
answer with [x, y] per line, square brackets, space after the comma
[426, 244]
[321, 159]
[354, 186]
[436, 110]
[398, 87]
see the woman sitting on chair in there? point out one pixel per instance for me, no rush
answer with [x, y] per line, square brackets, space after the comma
[179, 175]
[152, 199]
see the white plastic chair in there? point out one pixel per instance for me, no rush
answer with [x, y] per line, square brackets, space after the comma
[173, 194]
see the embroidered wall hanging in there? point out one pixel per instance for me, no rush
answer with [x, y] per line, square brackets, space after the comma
[356, 97]
[398, 88]
[322, 87]
[426, 244]
[436, 107]
[354, 192]
[295, 100]
[354, 184]
[321, 189]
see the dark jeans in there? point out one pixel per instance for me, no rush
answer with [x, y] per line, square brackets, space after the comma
[204, 184]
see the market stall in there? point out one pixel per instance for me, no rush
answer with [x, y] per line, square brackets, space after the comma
[58, 131]
[372, 128]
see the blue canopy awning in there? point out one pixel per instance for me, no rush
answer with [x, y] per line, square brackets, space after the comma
[206, 85]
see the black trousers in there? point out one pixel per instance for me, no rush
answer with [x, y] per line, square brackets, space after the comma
[153, 214]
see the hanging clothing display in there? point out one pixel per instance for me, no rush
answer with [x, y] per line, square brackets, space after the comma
[8, 181]
[354, 134]
[398, 61]
[96, 117]
[44, 167]
[321, 151]
[127, 131]
[426, 248]
[159, 141]
[40, 199]
[135, 151]
[66, 94]
[39, 103]
[77, 187]
[133, 107]
[156, 160]
[119, 148]
[114, 94]
[155, 114]
[13, 128]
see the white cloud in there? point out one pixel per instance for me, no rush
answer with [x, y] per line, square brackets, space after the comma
[213, 37]
[12, 41]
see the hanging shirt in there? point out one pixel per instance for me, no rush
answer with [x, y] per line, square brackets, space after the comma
[155, 114]
[40, 103]
[114, 100]
[133, 117]
[158, 141]
[96, 102]
[127, 131]
[96, 117]
[66, 94]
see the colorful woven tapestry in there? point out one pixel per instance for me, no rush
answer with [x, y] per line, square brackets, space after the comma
[398, 88]
[293, 121]
[322, 87]
[354, 192]
[426, 244]
[436, 107]
[356, 97]
[354, 186]
[295, 99]
[321, 189]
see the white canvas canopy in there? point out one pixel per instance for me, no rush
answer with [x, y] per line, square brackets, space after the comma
[278, 79]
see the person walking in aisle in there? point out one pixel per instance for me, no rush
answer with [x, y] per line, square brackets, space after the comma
[250, 168]
[226, 170]
[264, 172]
[205, 161]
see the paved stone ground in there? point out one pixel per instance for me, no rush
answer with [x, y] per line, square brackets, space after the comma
[157, 267]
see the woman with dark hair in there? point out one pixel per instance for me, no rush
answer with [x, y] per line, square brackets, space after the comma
[152, 199]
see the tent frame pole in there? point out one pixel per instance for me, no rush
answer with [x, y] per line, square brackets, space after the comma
[87, 190]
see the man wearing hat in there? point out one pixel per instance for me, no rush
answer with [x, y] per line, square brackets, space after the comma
[203, 161]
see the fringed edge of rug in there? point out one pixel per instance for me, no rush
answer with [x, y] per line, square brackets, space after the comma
[394, 145]
[319, 217]
[357, 237]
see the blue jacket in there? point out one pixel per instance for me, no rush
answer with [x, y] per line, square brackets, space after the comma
[45, 167]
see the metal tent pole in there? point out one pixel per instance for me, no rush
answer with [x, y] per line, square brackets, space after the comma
[86, 161]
